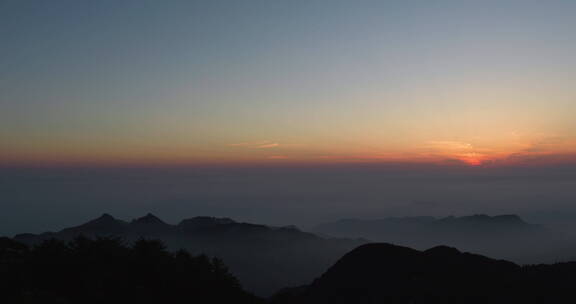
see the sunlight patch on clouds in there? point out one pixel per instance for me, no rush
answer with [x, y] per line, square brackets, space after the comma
[456, 150]
[265, 144]
[268, 146]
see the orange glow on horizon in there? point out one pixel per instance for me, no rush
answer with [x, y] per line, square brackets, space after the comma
[472, 159]
[513, 151]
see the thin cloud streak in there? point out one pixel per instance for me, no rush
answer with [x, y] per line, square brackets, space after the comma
[256, 145]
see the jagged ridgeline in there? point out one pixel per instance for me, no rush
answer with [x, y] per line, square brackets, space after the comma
[107, 270]
[263, 258]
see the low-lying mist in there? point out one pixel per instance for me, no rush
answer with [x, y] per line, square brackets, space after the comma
[42, 199]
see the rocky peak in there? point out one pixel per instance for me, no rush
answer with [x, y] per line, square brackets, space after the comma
[104, 219]
[149, 219]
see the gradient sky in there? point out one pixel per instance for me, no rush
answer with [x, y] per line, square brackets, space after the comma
[258, 82]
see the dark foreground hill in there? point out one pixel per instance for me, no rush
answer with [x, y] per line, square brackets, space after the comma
[108, 271]
[503, 236]
[385, 273]
[264, 258]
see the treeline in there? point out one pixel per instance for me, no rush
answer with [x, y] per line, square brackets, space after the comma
[108, 270]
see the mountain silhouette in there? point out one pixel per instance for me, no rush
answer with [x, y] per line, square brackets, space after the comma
[149, 219]
[386, 273]
[264, 258]
[105, 224]
[502, 236]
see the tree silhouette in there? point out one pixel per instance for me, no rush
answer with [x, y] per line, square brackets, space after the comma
[107, 270]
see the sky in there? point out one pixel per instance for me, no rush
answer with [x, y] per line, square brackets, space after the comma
[228, 83]
[286, 112]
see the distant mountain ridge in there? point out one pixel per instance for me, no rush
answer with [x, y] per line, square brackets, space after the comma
[150, 226]
[264, 258]
[507, 220]
[503, 236]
